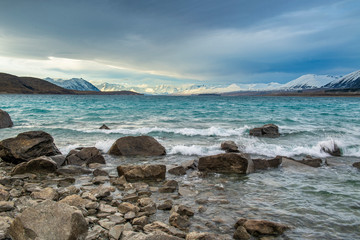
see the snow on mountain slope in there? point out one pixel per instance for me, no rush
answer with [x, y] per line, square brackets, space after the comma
[308, 81]
[351, 80]
[74, 84]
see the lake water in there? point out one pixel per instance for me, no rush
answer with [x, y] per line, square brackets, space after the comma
[322, 203]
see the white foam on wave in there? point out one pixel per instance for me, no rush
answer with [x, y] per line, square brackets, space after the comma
[66, 149]
[104, 145]
[195, 150]
[212, 131]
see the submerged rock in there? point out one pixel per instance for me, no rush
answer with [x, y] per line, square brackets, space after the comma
[178, 170]
[229, 146]
[49, 220]
[38, 165]
[142, 172]
[312, 162]
[5, 120]
[84, 156]
[137, 146]
[26, 146]
[246, 227]
[268, 130]
[104, 127]
[226, 163]
[333, 150]
[263, 164]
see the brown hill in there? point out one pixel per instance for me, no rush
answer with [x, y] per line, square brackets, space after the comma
[29, 85]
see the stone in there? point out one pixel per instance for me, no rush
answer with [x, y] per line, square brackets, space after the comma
[59, 159]
[263, 164]
[133, 197]
[49, 220]
[84, 156]
[38, 165]
[102, 192]
[162, 227]
[4, 226]
[137, 146]
[229, 146]
[169, 186]
[142, 172]
[99, 172]
[356, 165]
[126, 207]
[333, 150]
[104, 127]
[312, 162]
[179, 221]
[291, 163]
[203, 236]
[261, 227]
[100, 180]
[46, 193]
[5, 120]
[166, 205]
[75, 200]
[268, 130]
[185, 210]
[26, 146]
[226, 163]
[140, 221]
[6, 206]
[73, 170]
[115, 231]
[178, 170]
[118, 181]
[105, 223]
[4, 195]
[190, 164]
[241, 234]
[129, 215]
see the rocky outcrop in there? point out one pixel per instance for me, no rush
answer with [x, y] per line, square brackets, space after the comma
[104, 127]
[246, 227]
[26, 146]
[226, 163]
[137, 146]
[142, 172]
[5, 120]
[268, 130]
[38, 165]
[229, 146]
[49, 220]
[84, 156]
[357, 165]
[312, 162]
[263, 164]
[333, 150]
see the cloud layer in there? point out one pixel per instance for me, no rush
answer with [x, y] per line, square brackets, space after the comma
[203, 41]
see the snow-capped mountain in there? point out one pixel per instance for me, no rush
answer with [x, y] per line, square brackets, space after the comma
[351, 80]
[308, 81]
[73, 84]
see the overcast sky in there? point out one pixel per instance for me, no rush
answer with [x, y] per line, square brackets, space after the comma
[175, 42]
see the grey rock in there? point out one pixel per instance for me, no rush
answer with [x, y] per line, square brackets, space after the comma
[226, 163]
[84, 156]
[142, 172]
[38, 165]
[268, 130]
[137, 146]
[5, 120]
[229, 146]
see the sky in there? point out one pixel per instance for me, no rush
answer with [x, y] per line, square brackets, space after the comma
[155, 42]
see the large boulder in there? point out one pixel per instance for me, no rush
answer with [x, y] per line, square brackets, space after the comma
[49, 220]
[26, 146]
[268, 130]
[229, 146]
[5, 120]
[226, 163]
[137, 146]
[84, 156]
[38, 165]
[142, 172]
[258, 228]
[263, 164]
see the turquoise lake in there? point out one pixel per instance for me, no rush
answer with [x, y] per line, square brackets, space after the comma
[323, 203]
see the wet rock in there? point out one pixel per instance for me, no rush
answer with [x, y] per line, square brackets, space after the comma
[5, 120]
[126, 207]
[44, 220]
[140, 221]
[85, 156]
[178, 170]
[293, 164]
[4, 195]
[229, 146]
[102, 192]
[45, 194]
[26, 146]
[226, 163]
[162, 227]
[133, 197]
[241, 233]
[59, 159]
[100, 180]
[333, 150]
[357, 165]
[66, 182]
[105, 223]
[96, 233]
[261, 227]
[312, 162]
[166, 205]
[142, 172]
[99, 172]
[4, 226]
[169, 186]
[6, 206]
[38, 165]
[263, 164]
[75, 200]
[179, 221]
[268, 130]
[104, 127]
[137, 146]
[73, 170]
[120, 181]
[184, 210]
[202, 209]
[190, 164]
[203, 236]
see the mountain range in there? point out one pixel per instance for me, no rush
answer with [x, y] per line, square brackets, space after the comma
[78, 84]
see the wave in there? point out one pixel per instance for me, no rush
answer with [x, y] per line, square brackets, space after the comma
[212, 131]
[195, 150]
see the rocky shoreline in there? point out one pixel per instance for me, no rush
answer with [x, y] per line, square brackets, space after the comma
[46, 195]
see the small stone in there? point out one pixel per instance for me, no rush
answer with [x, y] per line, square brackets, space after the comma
[15, 193]
[104, 127]
[99, 172]
[6, 206]
[185, 211]
[128, 227]
[178, 221]
[202, 209]
[169, 186]
[105, 223]
[118, 181]
[241, 234]
[133, 197]
[100, 180]
[129, 215]
[229, 146]
[166, 205]
[105, 208]
[141, 221]
[4, 195]
[115, 231]
[178, 170]
[126, 207]
[160, 226]
[46, 193]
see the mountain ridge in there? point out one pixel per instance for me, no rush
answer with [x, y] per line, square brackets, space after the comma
[78, 84]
